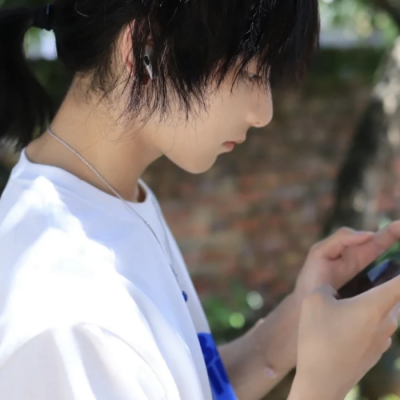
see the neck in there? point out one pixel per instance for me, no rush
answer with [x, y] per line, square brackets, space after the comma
[119, 153]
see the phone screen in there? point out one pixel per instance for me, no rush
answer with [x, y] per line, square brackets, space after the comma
[374, 275]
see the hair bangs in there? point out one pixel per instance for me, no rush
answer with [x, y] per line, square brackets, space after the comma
[197, 45]
[280, 37]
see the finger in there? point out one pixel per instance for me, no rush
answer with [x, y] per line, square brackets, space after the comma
[390, 325]
[334, 246]
[395, 313]
[385, 297]
[379, 243]
[387, 345]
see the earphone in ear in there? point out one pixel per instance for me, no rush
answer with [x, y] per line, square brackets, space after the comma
[147, 61]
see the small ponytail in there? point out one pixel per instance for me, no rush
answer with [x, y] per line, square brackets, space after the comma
[25, 107]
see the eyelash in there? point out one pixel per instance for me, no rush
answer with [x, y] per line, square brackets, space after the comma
[254, 78]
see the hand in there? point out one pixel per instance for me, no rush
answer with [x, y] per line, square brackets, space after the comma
[337, 259]
[340, 340]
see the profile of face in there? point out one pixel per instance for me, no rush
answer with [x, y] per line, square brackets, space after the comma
[195, 144]
[193, 45]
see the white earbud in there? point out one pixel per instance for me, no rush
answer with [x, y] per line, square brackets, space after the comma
[147, 61]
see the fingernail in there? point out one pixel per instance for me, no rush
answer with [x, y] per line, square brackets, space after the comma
[364, 233]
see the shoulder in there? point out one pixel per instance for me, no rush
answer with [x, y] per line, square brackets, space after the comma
[50, 275]
[62, 289]
[89, 359]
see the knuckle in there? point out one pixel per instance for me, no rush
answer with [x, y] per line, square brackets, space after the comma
[316, 251]
[387, 344]
[315, 247]
[392, 327]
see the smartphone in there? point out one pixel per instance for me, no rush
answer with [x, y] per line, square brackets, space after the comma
[374, 275]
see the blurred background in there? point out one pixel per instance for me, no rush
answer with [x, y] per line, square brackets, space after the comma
[331, 157]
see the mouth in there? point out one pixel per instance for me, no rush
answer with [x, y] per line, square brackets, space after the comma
[231, 145]
[236, 141]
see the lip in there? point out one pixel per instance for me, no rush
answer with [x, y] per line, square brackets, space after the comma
[236, 141]
[230, 145]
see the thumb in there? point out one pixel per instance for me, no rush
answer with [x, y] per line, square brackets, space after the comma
[385, 296]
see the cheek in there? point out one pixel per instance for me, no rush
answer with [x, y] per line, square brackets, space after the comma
[194, 150]
[190, 144]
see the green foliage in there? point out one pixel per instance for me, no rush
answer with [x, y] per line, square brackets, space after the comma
[359, 16]
[53, 77]
[335, 69]
[353, 394]
[392, 252]
[228, 318]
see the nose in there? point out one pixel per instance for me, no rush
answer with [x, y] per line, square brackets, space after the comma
[262, 111]
[259, 124]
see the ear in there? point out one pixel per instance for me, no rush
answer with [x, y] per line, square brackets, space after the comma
[126, 42]
[127, 51]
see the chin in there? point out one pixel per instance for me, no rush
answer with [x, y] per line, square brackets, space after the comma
[198, 166]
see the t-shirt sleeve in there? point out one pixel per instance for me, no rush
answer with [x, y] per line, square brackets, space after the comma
[83, 362]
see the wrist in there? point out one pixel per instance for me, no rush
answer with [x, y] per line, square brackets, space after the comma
[298, 295]
[308, 387]
[295, 301]
[275, 337]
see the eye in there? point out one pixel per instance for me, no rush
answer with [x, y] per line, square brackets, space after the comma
[254, 78]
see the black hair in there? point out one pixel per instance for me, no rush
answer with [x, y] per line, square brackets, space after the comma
[197, 43]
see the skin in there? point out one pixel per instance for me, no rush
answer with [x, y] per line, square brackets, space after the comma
[122, 150]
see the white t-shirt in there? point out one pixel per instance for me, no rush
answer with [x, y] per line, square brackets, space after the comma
[89, 306]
